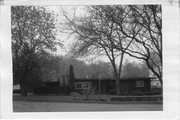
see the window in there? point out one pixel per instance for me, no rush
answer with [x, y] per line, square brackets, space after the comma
[78, 85]
[139, 83]
[83, 85]
[86, 85]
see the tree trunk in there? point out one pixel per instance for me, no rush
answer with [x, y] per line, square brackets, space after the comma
[23, 85]
[20, 78]
[116, 78]
[160, 79]
[159, 76]
[23, 89]
[117, 84]
[119, 74]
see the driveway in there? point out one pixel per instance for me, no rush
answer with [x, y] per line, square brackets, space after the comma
[27, 106]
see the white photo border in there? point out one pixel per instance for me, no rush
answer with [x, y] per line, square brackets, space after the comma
[171, 59]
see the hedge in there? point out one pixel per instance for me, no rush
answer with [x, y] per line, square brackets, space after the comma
[137, 98]
[52, 90]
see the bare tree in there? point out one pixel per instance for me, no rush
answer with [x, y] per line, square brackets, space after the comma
[98, 35]
[147, 35]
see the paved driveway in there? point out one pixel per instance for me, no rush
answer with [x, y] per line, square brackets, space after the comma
[23, 106]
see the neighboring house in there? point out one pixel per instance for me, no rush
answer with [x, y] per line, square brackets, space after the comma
[155, 83]
[16, 87]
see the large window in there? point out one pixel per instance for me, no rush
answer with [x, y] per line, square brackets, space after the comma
[139, 83]
[83, 85]
[78, 85]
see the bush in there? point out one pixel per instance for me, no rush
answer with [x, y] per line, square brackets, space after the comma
[88, 92]
[137, 92]
[112, 92]
[136, 98]
[52, 90]
[149, 93]
[156, 91]
[75, 95]
[17, 91]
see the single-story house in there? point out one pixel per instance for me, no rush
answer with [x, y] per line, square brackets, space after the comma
[104, 86]
[127, 85]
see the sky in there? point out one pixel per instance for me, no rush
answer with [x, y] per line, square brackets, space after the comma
[67, 40]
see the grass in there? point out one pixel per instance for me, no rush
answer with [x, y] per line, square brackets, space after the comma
[78, 99]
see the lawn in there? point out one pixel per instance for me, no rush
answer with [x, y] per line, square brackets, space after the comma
[69, 103]
[104, 98]
[26, 106]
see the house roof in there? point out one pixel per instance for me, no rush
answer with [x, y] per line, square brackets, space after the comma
[50, 81]
[107, 79]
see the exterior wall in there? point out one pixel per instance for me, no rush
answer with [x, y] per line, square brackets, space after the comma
[130, 86]
[126, 86]
[106, 85]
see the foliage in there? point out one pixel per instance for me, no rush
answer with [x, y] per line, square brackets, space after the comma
[87, 92]
[133, 69]
[100, 70]
[33, 30]
[65, 90]
[84, 70]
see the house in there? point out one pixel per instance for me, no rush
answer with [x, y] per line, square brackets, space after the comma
[104, 86]
[127, 85]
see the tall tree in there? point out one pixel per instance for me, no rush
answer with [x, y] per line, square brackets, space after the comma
[147, 35]
[33, 29]
[98, 35]
[49, 66]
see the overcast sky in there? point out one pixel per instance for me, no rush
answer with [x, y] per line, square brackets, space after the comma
[67, 40]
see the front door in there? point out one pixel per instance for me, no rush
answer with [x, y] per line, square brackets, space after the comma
[124, 88]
